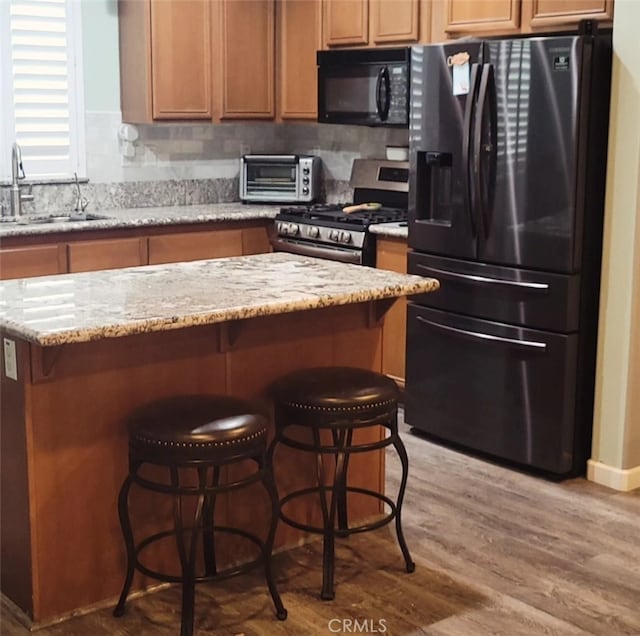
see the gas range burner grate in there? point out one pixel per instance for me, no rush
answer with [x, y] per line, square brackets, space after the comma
[333, 213]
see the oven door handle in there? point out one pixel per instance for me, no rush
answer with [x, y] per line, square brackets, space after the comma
[340, 255]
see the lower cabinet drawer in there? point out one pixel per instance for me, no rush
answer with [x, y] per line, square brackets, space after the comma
[193, 246]
[87, 256]
[36, 260]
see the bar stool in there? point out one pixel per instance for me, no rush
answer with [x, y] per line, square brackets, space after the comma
[332, 403]
[194, 436]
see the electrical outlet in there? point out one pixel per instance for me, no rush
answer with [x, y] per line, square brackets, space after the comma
[10, 359]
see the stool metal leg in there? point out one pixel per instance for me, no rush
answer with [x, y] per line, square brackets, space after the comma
[340, 484]
[328, 522]
[404, 460]
[269, 483]
[187, 558]
[127, 533]
[208, 539]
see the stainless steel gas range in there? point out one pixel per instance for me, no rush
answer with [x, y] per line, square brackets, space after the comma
[340, 231]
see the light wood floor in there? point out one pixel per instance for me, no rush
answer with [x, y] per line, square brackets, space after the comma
[497, 552]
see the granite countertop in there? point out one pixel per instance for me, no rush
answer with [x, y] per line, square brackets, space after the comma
[138, 217]
[55, 310]
[392, 230]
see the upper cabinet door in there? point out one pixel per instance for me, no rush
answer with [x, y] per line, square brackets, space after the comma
[550, 14]
[345, 22]
[181, 59]
[247, 59]
[299, 25]
[478, 17]
[394, 21]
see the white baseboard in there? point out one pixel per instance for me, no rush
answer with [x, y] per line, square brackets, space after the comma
[618, 478]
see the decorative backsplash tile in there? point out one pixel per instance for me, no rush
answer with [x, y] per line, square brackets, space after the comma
[184, 164]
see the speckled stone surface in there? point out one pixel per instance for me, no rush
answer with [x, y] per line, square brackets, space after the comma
[391, 230]
[54, 310]
[137, 217]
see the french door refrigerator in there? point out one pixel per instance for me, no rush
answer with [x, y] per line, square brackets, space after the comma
[508, 146]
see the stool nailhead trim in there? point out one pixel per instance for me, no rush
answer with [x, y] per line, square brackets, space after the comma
[364, 407]
[240, 440]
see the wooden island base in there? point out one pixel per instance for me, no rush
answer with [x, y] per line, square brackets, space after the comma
[64, 442]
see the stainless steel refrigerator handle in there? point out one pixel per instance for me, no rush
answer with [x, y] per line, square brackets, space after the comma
[484, 279]
[466, 146]
[486, 80]
[527, 344]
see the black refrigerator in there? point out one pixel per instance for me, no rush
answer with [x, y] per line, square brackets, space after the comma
[508, 144]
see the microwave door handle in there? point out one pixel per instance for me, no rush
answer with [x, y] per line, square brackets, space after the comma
[382, 93]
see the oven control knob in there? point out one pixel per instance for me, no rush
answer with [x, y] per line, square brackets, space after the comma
[313, 232]
[293, 229]
[334, 235]
[345, 237]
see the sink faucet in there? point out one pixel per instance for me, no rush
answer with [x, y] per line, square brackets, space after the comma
[17, 173]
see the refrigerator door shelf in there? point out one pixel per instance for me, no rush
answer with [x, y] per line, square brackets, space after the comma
[502, 390]
[539, 300]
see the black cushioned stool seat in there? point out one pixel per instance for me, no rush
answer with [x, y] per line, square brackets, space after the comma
[197, 434]
[339, 400]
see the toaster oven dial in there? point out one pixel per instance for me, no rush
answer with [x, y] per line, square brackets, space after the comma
[305, 170]
[305, 190]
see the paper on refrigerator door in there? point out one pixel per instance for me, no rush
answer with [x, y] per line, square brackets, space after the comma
[459, 64]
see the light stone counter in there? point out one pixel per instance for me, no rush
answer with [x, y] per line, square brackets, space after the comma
[391, 230]
[140, 217]
[54, 310]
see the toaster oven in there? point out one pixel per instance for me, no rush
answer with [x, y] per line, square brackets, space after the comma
[280, 178]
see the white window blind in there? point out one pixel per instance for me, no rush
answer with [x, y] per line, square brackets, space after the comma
[42, 98]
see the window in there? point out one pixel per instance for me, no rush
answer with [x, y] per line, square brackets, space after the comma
[42, 106]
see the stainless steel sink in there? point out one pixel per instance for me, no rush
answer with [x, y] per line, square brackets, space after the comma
[67, 218]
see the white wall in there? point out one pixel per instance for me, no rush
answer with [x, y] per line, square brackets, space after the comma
[616, 435]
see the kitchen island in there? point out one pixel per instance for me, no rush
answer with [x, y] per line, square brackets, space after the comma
[91, 347]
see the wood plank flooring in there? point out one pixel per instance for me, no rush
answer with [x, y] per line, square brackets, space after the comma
[497, 552]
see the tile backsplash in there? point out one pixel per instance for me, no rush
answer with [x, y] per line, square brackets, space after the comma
[182, 164]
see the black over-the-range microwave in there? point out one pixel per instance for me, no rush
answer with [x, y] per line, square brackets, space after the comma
[367, 87]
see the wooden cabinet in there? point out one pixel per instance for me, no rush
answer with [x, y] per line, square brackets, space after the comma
[246, 70]
[375, 22]
[35, 260]
[562, 14]
[467, 16]
[87, 256]
[26, 256]
[299, 33]
[165, 59]
[345, 22]
[193, 246]
[395, 21]
[456, 18]
[196, 59]
[391, 254]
